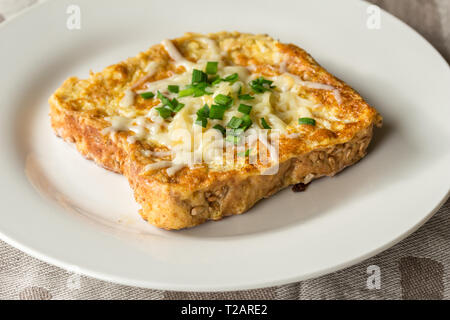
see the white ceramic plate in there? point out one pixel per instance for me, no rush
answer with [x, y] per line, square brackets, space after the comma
[64, 209]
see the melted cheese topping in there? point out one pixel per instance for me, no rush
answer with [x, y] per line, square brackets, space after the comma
[190, 144]
[150, 70]
[176, 55]
[128, 99]
[312, 85]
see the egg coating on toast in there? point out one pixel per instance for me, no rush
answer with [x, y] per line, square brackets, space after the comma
[204, 126]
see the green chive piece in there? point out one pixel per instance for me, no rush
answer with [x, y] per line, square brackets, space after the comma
[217, 81]
[220, 128]
[264, 81]
[174, 103]
[211, 67]
[261, 85]
[201, 122]
[264, 124]
[198, 76]
[244, 154]
[246, 97]
[202, 116]
[217, 112]
[199, 91]
[223, 100]
[164, 112]
[165, 101]
[203, 112]
[245, 108]
[173, 89]
[186, 92]
[212, 79]
[235, 132]
[233, 139]
[246, 122]
[309, 121]
[147, 95]
[178, 107]
[232, 78]
[196, 90]
[234, 123]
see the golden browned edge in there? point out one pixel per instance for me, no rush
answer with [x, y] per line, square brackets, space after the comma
[193, 198]
[164, 208]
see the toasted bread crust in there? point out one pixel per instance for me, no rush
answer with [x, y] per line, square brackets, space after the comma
[197, 195]
[164, 207]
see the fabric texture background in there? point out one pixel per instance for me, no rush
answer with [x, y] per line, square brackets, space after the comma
[416, 268]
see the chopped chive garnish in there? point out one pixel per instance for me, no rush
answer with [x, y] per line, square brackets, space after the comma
[198, 76]
[309, 121]
[202, 116]
[232, 78]
[240, 90]
[235, 132]
[178, 107]
[233, 139]
[211, 67]
[244, 154]
[213, 79]
[261, 85]
[186, 92]
[246, 97]
[220, 128]
[201, 92]
[147, 95]
[223, 100]
[201, 122]
[199, 89]
[165, 101]
[217, 81]
[246, 122]
[234, 123]
[196, 90]
[264, 124]
[245, 108]
[172, 105]
[203, 112]
[173, 89]
[164, 112]
[217, 112]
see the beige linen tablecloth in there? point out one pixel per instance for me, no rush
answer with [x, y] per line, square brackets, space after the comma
[416, 268]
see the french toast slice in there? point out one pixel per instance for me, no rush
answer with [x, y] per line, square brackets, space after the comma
[142, 118]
